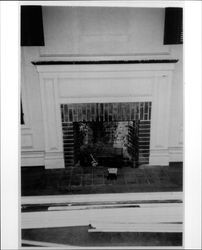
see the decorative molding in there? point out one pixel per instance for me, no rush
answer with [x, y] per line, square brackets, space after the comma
[25, 129]
[161, 103]
[26, 141]
[32, 158]
[106, 56]
[159, 156]
[175, 154]
[105, 62]
[24, 96]
[97, 70]
[54, 160]
[52, 124]
[181, 134]
[86, 86]
[89, 99]
[26, 138]
[50, 115]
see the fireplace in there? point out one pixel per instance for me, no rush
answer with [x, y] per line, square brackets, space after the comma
[100, 97]
[106, 134]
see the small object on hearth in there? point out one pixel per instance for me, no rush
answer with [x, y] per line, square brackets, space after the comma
[77, 164]
[112, 173]
[94, 163]
[91, 227]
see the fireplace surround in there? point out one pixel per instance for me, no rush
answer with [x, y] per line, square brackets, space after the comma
[124, 82]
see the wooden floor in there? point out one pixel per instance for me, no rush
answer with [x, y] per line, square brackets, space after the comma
[38, 181]
[143, 207]
[74, 237]
[130, 219]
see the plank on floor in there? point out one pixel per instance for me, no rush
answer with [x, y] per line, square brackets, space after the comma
[147, 228]
[159, 214]
[116, 197]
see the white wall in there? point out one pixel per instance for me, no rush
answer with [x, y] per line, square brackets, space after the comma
[96, 33]
[103, 31]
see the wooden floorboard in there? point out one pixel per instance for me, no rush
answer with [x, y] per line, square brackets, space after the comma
[163, 213]
[100, 198]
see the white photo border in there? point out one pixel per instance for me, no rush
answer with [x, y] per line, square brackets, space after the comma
[10, 137]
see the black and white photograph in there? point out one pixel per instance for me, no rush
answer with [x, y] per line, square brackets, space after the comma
[101, 126]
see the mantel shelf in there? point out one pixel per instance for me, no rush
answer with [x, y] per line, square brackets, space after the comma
[105, 62]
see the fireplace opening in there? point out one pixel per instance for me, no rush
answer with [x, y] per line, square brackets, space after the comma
[110, 135]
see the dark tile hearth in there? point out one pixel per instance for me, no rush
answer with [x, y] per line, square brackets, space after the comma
[84, 180]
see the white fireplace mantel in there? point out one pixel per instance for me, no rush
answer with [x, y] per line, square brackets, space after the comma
[106, 83]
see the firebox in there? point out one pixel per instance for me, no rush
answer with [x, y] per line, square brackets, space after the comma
[112, 135]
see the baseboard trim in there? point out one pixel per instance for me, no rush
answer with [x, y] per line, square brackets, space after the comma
[32, 158]
[175, 154]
